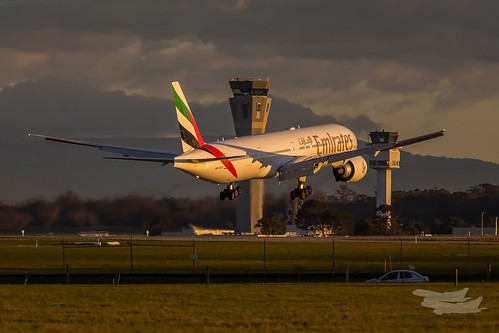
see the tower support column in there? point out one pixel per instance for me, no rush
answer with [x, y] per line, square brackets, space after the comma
[384, 187]
[249, 206]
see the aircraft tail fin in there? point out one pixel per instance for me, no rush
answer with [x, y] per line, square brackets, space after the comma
[189, 131]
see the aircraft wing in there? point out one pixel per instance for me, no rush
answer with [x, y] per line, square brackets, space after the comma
[305, 167]
[128, 153]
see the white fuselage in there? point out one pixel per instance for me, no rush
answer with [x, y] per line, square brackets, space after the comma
[260, 156]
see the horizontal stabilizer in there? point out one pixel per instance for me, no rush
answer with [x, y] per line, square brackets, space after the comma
[207, 159]
[164, 161]
[171, 160]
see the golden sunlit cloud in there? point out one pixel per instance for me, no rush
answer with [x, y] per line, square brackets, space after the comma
[16, 59]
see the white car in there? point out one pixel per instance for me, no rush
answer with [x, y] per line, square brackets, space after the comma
[401, 275]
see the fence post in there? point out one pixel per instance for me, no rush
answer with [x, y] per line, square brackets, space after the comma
[334, 259]
[455, 283]
[401, 256]
[131, 254]
[63, 255]
[264, 258]
[194, 257]
[489, 269]
[348, 274]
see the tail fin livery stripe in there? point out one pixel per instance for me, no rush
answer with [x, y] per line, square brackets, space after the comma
[187, 137]
[187, 124]
[218, 154]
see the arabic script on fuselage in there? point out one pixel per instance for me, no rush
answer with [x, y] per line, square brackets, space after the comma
[328, 144]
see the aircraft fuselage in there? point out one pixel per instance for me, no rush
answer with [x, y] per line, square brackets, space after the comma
[260, 156]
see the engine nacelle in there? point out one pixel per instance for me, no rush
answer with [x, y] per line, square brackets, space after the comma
[352, 171]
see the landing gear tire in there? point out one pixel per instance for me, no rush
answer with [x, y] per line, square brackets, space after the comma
[308, 190]
[300, 192]
[231, 193]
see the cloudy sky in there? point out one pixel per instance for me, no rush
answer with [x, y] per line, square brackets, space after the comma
[411, 66]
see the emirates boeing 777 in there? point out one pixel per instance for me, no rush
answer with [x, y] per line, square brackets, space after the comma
[291, 154]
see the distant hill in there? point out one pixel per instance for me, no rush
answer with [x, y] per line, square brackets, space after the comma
[453, 174]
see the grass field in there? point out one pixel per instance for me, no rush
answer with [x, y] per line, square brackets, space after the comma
[52, 255]
[320, 307]
[239, 306]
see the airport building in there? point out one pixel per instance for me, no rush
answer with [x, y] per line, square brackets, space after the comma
[250, 107]
[384, 163]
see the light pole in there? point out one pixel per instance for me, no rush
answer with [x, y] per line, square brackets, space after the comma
[482, 221]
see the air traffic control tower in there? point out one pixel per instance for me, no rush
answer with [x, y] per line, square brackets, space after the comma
[384, 163]
[250, 108]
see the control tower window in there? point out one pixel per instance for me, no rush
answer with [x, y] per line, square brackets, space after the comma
[233, 108]
[248, 91]
[260, 92]
[241, 92]
[245, 108]
[258, 110]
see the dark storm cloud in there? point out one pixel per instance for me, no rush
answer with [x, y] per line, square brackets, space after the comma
[409, 30]
[423, 41]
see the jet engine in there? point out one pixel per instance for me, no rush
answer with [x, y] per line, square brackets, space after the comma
[352, 171]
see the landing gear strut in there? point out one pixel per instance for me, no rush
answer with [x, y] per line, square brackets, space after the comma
[301, 191]
[231, 192]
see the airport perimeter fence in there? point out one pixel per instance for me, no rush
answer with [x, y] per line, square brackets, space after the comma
[202, 260]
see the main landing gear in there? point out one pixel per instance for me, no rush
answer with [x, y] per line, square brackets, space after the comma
[301, 191]
[231, 192]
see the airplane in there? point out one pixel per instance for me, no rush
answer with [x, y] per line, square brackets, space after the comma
[440, 307]
[447, 296]
[295, 153]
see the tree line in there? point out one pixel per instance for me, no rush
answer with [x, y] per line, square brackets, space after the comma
[434, 211]
[345, 212]
[132, 213]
